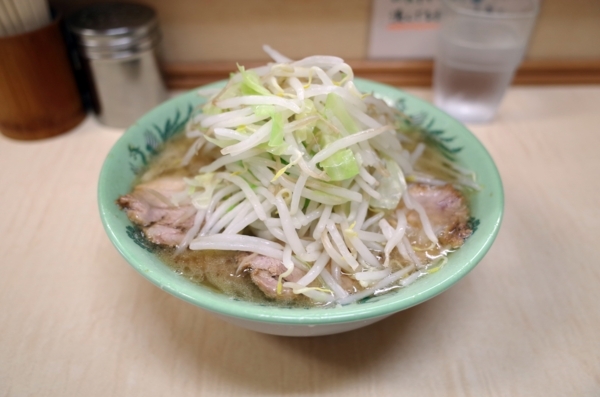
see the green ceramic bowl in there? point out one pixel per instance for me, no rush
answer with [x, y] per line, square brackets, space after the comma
[141, 141]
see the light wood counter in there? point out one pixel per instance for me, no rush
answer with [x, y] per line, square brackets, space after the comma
[76, 320]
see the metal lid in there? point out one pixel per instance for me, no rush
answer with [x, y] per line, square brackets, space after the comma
[110, 27]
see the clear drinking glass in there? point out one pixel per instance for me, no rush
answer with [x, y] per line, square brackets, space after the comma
[480, 45]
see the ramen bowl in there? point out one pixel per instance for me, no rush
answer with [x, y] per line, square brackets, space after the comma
[143, 140]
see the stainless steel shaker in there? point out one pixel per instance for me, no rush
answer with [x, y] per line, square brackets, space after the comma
[118, 44]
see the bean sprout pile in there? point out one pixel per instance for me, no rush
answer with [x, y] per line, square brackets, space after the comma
[312, 172]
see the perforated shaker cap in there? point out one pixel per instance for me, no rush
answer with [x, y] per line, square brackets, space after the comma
[110, 30]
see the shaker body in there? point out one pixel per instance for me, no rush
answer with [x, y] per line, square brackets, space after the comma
[126, 88]
[118, 45]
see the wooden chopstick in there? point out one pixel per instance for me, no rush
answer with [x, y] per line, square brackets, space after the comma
[14, 16]
[3, 31]
[20, 16]
[7, 23]
[28, 19]
[41, 10]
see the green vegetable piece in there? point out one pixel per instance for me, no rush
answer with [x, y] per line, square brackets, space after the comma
[335, 104]
[276, 138]
[264, 110]
[251, 84]
[211, 109]
[306, 133]
[391, 186]
[341, 165]
[232, 91]
[277, 150]
[325, 135]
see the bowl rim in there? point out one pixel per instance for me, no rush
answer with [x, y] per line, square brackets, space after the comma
[224, 305]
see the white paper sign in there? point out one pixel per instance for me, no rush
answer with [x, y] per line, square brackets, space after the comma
[404, 28]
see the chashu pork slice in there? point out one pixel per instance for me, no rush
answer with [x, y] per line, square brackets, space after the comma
[149, 206]
[265, 272]
[447, 211]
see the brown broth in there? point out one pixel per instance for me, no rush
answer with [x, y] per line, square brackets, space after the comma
[218, 270]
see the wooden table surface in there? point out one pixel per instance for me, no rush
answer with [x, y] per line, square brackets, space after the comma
[76, 320]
